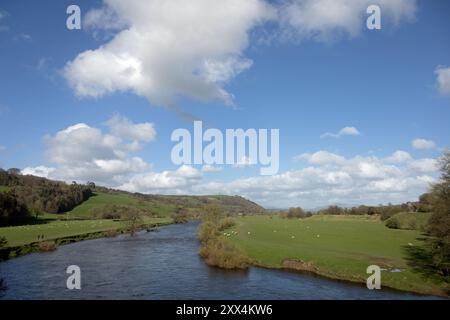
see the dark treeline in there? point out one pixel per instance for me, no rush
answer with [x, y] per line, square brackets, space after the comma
[28, 196]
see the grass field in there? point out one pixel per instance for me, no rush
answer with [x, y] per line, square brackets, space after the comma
[340, 247]
[21, 235]
[101, 199]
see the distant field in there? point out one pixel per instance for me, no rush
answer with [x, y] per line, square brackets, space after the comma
[4, 188]
[338, 246]
[101, 199]
[21, 235]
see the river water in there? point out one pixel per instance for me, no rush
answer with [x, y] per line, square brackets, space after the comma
[162, 265]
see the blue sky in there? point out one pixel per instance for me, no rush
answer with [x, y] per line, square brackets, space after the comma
[384, 83]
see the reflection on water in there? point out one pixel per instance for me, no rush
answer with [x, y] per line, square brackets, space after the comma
[162, 265]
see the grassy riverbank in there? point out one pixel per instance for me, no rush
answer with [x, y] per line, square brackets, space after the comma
[27, 238]
[340, 247]
[53, 230]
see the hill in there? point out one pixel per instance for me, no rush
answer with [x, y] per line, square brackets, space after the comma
[24, 198]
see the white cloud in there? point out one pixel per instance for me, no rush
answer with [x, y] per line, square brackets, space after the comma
[83, 153]
[40, 171]
[320, 157]
[122, 127]
[346, 131]
[335, 179]
[327, 20]
[423, 144]
[164, 49]
[166, 182]
[399, 156]
[443, 80]
[424, 165]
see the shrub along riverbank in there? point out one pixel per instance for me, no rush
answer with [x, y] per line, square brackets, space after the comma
[216, 250]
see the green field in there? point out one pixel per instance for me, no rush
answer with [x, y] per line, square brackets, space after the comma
[4, 188]
[21, 235]
[101, 199]
[80, 220]
[340, 247]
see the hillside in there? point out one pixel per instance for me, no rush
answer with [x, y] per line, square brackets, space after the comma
[27, 198]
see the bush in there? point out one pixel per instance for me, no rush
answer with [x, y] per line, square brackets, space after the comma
[220, 253]
[226, 223]
[392, 223]
[206, 231]
[182, 216]
[46, 246]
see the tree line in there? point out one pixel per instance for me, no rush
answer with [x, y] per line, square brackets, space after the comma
[28, 196]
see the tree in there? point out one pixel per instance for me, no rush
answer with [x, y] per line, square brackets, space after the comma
[439, 223]
[296, 213]
[133, 220]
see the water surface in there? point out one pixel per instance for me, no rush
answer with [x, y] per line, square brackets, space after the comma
[163, 265]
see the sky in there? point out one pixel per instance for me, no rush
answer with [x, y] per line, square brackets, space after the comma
[362, 114]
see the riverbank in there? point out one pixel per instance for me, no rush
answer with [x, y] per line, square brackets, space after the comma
[335, 247]
[50, 234]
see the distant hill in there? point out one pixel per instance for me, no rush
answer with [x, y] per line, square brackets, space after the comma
[23, 197]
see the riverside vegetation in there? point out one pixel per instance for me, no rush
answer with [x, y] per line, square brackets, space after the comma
[38, 214]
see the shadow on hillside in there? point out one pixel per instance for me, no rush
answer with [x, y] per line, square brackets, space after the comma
[421, 260]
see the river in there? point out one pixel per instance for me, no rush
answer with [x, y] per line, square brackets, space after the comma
[163, 265]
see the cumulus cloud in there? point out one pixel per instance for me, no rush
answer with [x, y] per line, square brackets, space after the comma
[399, 156]
[422, 144]
[122, 127]
[320, 157]
[166, 49]
[443, 80]
[327, 20]
[330, 178]
[179, 181]
[40, 171]
[346, 131]
[82, 153]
